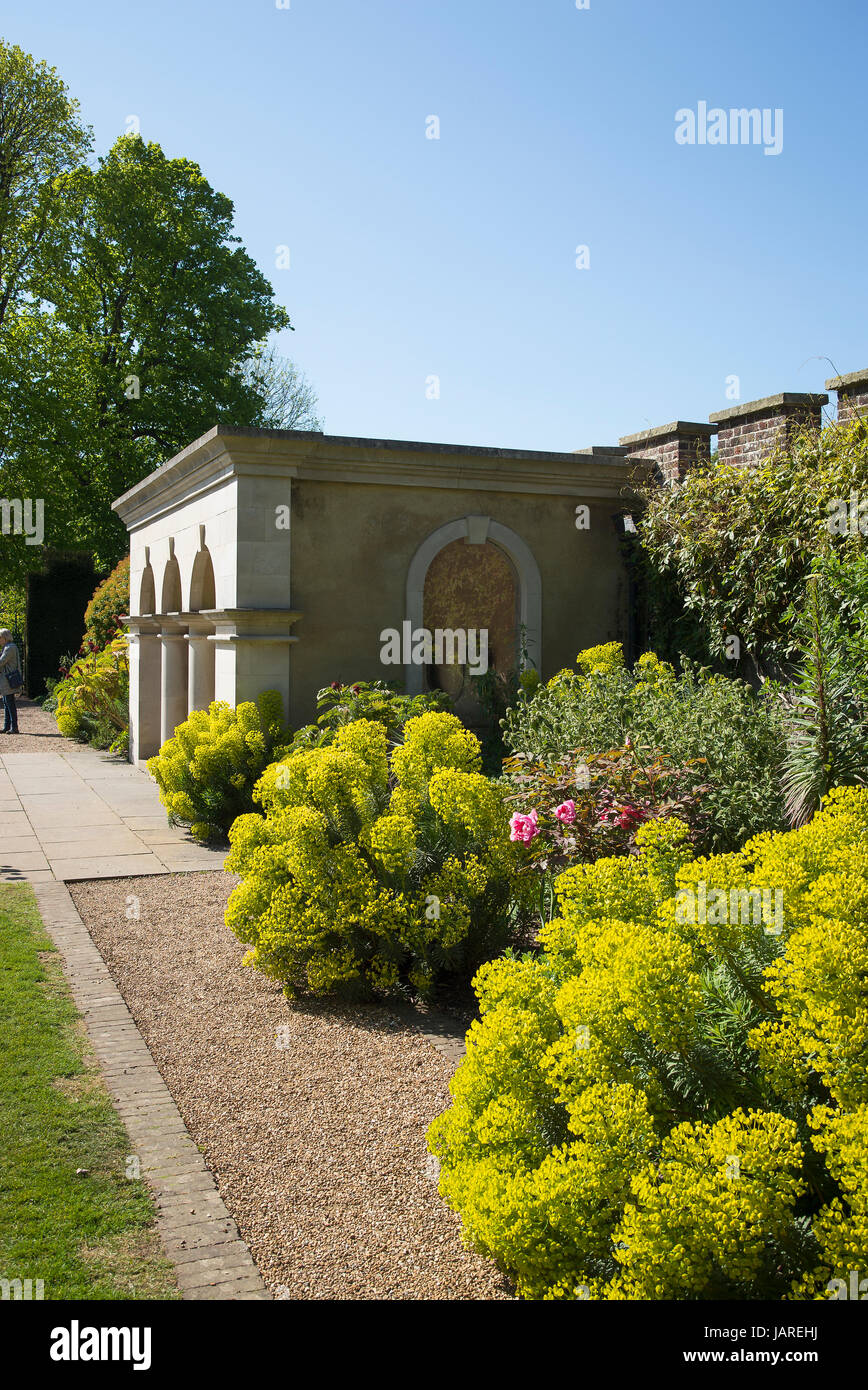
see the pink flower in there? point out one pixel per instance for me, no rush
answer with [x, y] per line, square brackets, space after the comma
[566, 812]
[523, 828]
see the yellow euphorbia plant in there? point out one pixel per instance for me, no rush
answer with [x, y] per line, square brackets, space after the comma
[374, 871]
[671, 1101]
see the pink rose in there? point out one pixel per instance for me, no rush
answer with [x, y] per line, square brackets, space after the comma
[523, 827]
[566, 812]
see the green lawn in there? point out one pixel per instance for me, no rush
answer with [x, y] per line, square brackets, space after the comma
[86, 1236]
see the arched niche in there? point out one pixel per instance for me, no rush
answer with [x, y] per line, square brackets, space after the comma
[202, 587]
[478, 531]
[471, 587]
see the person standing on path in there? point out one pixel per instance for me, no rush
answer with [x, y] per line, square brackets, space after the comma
[10, 664]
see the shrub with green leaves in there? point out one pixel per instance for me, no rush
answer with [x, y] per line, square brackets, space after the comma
[91, 703]
[381, 701]
[91, 700]
[207, 771]
[671, 1101]
[111, 600]
[739, 542]
[730, 736]
[374, 871]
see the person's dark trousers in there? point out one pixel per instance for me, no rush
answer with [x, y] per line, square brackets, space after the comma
[10, 710]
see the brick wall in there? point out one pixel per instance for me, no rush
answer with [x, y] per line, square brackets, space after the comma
[852, 392]
[675, 448]
[747, 434]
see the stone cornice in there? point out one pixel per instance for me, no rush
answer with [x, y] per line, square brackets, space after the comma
[252, 624]
[844, 383]
[675, 429]
[785, 402]
[222, 455]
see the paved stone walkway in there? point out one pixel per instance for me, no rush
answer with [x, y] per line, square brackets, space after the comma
[80, 813]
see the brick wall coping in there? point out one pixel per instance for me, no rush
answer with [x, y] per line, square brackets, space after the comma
[661, 432]
[769, 405]
[838, 383]
[602, 451]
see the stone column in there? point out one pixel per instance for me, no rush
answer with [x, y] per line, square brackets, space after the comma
[675, 448]
[173, 687]
[145, 665]
[748, 434]
[200, 652]
[852, 392]
[252, 652]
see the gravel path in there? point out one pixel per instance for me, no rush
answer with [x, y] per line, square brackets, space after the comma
[37, 732]
[312, 1117]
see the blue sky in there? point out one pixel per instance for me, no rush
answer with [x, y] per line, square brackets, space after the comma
[456, 258]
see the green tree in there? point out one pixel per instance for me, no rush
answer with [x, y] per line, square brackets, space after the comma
[129, 315]
[159, 306]
[41, 141]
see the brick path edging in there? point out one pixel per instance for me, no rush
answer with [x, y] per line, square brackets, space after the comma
[199, 1236]
[439, 1029]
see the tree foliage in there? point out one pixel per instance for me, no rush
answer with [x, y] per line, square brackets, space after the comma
[41, 141]
[129, 313]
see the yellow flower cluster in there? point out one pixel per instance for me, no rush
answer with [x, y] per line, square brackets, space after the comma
[841, 1226]
[207, 771]
[593, 661]
[600, 661]
[819, 986]
[607, 660]
[368, 873]
[702, 1215]
[393, 843]
[433, 742]
[650, 670]
[629, 1120]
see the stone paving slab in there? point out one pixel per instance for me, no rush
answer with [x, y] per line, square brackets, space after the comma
[87, 814]
[201, 1239]
[106, 866]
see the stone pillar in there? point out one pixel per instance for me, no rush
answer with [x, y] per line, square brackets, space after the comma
[200, 653]
[252, 650]
[748, 434]
[173, 687]
[145, 666]
[852, 392]
[675, 448]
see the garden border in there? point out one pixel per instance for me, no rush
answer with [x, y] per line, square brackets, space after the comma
[198, 1233]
